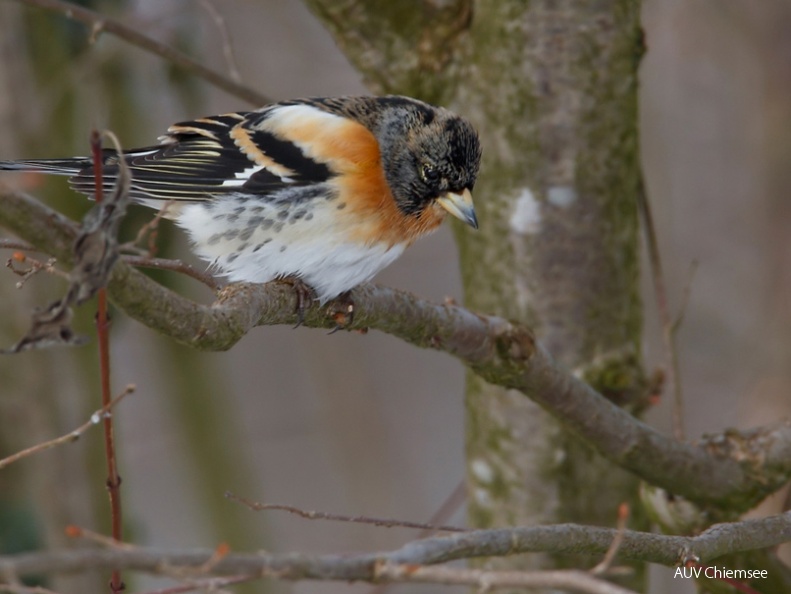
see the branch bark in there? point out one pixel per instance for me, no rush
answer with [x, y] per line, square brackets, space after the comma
[731, 471]
[715, 542]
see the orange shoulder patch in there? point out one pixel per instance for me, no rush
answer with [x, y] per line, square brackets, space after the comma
[351, 151]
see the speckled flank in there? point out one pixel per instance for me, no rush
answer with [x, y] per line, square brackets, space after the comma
[277, 238]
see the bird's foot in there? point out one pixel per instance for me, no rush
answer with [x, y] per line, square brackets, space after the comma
[304, 294]
[341, 310]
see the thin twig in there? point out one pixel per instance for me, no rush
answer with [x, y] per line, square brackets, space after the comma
[73, 531]
[206, 585]
[150, 228]
[449, 507]
[70, 437]
[220, 552]
[485, 580]
[316, 515]
[103, 332]
[227, 46]
[682, 307]
[6, 243]
[604, 565]
[36, 266]
[665, 319]
[175, 266]
[100, 23]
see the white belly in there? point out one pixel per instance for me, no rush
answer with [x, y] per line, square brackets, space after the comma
[259, 242]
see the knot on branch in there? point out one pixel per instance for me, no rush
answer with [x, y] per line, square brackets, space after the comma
[753, 449]
[514, 347]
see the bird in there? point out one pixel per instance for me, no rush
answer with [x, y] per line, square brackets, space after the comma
[326, 191]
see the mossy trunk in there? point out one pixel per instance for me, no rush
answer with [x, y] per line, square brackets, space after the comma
[552, 88]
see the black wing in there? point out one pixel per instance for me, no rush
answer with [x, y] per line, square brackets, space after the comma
[207, 157]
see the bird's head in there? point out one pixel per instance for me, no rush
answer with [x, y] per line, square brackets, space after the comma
[430, 155]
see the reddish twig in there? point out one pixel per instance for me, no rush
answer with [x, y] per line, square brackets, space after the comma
[314, 515]
[36, 266]
[70, 437]
[102, 329]
[604, 565]
[73, 531]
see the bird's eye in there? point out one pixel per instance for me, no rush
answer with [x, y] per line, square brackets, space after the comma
[429, 173]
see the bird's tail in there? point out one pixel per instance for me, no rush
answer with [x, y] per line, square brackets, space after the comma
[70, 166]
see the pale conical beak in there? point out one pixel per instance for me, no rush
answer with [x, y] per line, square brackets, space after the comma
[460, 206]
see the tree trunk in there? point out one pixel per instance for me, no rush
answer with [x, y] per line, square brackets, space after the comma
[552, 88]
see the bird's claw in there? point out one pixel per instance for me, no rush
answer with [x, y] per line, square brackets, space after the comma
[304, 294]
[341, 310]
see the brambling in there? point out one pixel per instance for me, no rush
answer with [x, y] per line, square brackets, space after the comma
[325, 190]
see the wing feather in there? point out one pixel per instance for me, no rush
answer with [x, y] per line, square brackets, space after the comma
[211, 156]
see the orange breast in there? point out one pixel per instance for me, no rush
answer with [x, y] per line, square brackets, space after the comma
[350, 150]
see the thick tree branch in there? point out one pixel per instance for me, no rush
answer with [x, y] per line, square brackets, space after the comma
[733, 470]
[100, 23]
[398, 45]
[715, 542]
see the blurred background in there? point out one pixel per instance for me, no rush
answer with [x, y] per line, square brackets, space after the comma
[364, 424]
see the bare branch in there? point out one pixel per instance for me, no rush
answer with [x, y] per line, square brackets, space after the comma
[227, 45]
[665, 318]
[604, 565]
[205, 585]
[317, 515]
[734, 470]
[715, 542]
[15, 244]
[35, 266]
[174, 266]
[451, 504]
[70, 437]
[574, 581]
[100, 23]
